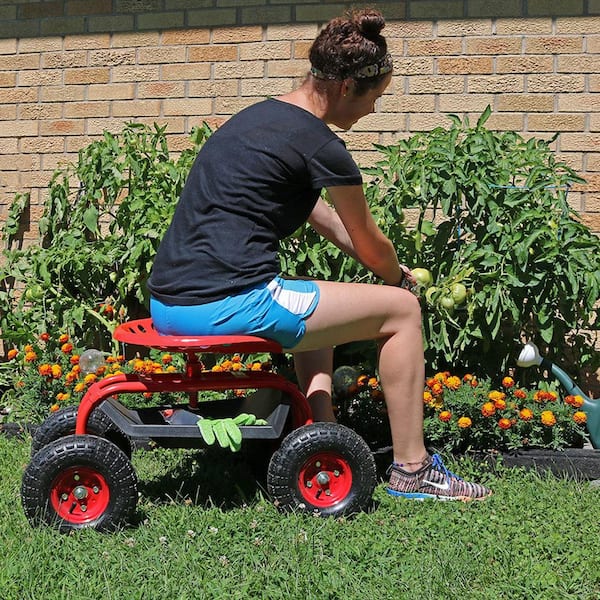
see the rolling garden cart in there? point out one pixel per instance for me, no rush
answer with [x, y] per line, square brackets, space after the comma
[80, 474]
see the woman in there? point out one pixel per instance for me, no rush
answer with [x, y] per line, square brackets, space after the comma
[256, 180]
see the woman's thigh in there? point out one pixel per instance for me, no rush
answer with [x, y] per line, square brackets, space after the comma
[356, 311]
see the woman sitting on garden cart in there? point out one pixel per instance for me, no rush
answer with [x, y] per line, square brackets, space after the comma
[256, 180]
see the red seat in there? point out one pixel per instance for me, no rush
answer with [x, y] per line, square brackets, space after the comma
[143, 333]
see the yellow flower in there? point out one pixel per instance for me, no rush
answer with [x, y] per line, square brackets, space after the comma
[452, 382]
[580, 417]
[508, 382]
[30, 357]
[574, 401]
[488, 409]
[79, 388]
[464, 422]
[445, 416]
[494, 396]
[90, 378]
[56, 371]
[548, 418]
[427, 397]
[526, 414]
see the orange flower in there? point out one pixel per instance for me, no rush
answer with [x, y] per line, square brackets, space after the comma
[465, 422]
[526, 414]
[30, 357]
[508, 382]
[63, 339]
[373, 382]
[445, 416]
[467, 377]
[44, 337]
[28, 348]
[452, 383]
[520, 394]
[90, 378]
[504, 423]
[45, 370]
[488, 409]
[74, 359]
[494, 396]
[580, 417]
[70, 377]
[56, 371]
[66, 348]
[237, 366]
[79, 388]
[574, 401]
[167, 359]
[256, 366]
[441, 377]
[236, 358]
[473, 383]
[500, 404]
[548, 418]
[13, 353]
[437, 389]
[427, 397]
[54, 408]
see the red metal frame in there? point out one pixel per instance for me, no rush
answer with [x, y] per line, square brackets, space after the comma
[142, 333]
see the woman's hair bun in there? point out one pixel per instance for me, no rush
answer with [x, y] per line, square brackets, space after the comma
[369, 22]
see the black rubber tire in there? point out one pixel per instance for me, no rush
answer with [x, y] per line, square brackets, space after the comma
[107, 478]
[62, 423]
[346, 461]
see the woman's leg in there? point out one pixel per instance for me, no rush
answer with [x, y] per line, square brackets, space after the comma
[314, 369]
[349, 312]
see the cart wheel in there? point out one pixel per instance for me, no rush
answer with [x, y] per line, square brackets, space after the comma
[79, 481]
[62, 423]
[322, 467]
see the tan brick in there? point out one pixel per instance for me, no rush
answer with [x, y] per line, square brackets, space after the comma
[287, 68]
[592, 203]
[591, 220]
[16, 95]
[293, 31]
[40, 78]
[62, 127]
[40, 111]
[467, 66]
[210, 89]
[185, 37]
[136, 108]
[62, 93]
[20, 128]
[8, 112]
[427, 122]
[8, 79]
[553, 45]
[579, 102]
[525, 103]
[87, 75]
[19, 62]
[464, 27]
[187, 106]
[564, 7]
[301, 49]
[577, 64]
[436, 47]
[8, 46]
[493, 45]
[85, 110]
[236, 35]
[572, 159]
[581, 25]
[520, 26]
[159, 89]
[408, 104]
[450, 103]
[42, 144]
[10, 145]
[64, 60]
[185, 72]
[593, 161]
[230, 106]
[40, 44]
[213, 53]
[594, 83]
[242, 70]
[135, 39]
[96, 126]
[112, 91]
[555, 122]
[592, 43]
[265, 51]
[167, 55]
[592, 182]
[580, 142]
[595, 122]
[110, 57]
[493, 8]
[356, 141]
[266, 87]
[87, 42]
[127, 73]
[452, 84]
[524, 64]
[504, 121]
[376, 122]
[75, 143]
[555, 83]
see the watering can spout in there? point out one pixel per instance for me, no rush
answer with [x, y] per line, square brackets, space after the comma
[530, 356]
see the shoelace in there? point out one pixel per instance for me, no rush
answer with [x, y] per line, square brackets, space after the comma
[438, 464]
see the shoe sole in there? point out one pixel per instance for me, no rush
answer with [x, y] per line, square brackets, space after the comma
[422, 496]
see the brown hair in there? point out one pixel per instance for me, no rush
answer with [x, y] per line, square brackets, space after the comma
[350, 46]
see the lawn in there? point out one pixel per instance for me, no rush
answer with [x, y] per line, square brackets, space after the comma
[206, 530]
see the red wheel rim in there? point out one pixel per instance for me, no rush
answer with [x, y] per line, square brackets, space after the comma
[79, 494]
[325, 479]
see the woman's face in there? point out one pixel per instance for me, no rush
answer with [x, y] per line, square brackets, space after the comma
[349, 107]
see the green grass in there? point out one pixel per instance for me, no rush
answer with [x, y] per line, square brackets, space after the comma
[199, 536]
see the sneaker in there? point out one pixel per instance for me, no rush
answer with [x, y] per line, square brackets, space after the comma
[433, 480]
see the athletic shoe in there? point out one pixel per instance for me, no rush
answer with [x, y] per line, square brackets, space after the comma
[433, 480]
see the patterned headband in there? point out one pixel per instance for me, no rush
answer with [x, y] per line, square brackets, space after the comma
[385, 65]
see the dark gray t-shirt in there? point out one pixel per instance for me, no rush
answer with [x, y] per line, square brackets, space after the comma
[254, 182]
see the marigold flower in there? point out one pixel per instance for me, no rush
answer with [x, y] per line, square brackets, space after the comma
[473, 383]
[45, 370]
[30, 357]
[500, 404]
[167, 359]
[445, 416]
[66, 348]
[12, 353]
[574, 401]
[467, 377]
[453, 382]
[520, 394]
[90, 378]
[442, 376]
[171, 369]
[63, 339]
[56, 371]
[226, 365]
[580, 417]
[548, 418]
[465, 422]
[80, 387]
[437, 389]
[28, 348]
[74, 359]
[504, 423]
[495, 395]
[61, 396]
[54, 408]
[488, 409]
[44, 337]
[70, 377]
[236, 358]
[427, 397]
[526, 414]
[508, 382]
[430, 382]
[217, 369]
[373, 382]
[256, 366]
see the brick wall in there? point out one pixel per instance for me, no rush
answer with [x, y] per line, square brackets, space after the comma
[72, 68]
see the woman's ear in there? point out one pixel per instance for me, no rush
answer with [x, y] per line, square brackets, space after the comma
[346, 87]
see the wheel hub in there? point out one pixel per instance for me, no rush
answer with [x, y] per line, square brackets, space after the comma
[325, 479]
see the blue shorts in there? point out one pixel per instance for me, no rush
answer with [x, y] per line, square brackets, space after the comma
[276, 310]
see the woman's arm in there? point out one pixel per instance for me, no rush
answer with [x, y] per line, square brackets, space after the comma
[351, 228]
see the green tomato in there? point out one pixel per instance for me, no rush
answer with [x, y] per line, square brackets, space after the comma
[423, 276]
[35, 292]
[447, 303]
[459, 293]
